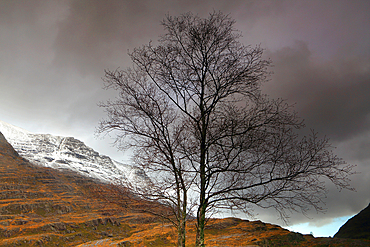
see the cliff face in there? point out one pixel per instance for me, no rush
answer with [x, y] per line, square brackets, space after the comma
[358, 227]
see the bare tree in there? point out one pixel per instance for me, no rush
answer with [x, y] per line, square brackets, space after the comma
[148, 122]
[193, 109]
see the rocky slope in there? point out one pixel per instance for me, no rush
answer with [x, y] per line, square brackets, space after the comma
[358, 227]
[68, 153]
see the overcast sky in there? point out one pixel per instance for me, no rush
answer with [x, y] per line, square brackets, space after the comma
[53, 55]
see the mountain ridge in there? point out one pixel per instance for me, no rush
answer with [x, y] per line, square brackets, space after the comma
[42, 206]
[357, 227]
[60, 152]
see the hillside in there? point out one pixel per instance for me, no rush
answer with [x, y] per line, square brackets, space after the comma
[358, 227]
[42, 206]
[45, 207]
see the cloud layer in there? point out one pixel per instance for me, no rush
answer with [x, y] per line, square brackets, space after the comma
[53, 55]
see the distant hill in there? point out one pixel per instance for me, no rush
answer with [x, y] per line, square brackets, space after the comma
[358, 227]
[68, 153]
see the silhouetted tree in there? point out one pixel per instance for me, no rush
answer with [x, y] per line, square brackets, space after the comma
[148, 122]
[192, 109]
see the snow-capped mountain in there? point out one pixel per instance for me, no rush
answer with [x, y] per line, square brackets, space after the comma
[68, 153]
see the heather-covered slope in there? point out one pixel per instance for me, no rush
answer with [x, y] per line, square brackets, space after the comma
[358, 227]
[6, 148]
[44, 207]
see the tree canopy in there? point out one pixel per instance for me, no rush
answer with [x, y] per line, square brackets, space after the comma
[192, 109]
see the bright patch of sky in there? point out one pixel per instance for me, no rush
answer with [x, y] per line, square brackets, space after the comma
[328, 230]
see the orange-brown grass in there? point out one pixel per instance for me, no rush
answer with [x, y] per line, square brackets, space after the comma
[44, 207]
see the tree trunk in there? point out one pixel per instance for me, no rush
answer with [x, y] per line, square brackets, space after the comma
[181, 235]
[182, 224]
[201, 217]
[201, 226]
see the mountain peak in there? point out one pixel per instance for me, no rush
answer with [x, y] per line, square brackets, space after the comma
[11, 130]
[61, 153]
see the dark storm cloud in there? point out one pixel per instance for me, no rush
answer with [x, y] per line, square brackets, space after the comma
[332, 95]
[14, 12]
[97, 34]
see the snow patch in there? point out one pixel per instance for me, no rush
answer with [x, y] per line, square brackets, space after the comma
[69, 153]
